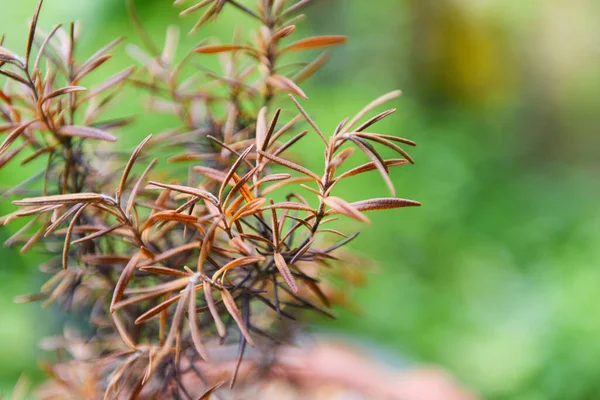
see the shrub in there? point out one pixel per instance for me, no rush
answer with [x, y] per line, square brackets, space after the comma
[174, 264]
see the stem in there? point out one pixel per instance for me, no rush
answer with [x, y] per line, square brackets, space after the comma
[245, 9]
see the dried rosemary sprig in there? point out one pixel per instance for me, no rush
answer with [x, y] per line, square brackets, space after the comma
[174, 266]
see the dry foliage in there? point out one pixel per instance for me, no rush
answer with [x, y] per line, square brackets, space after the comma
[172, 268]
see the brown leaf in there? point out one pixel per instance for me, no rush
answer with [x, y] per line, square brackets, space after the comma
[212, 11]
[61, 199]
[396, 139]
[9, 57]
[136, 187]
[86, 132]
[275, 226]
[90, 67]
[156, 269]
[384, 204]
[168, 216]
[344, 208]
[173, 252]
[94, 61]
[124, 280]
[241, 187]
[261, 128]
[160, 288]
[295, 7]
[283, 32]
[285, 272]
[379, 139]
[17, 236]
[13, 76]
[195, 7]
[42, 49]
[286, 84]
[232, 170]
[314, 42]
[100, 233]
[288, 205]
[171, 42]
[311, 68]
[375, 119]
[220, 48]
[30, 211]
[62, 219]
[270, 130]
[286, 182]
[175, 331]
[309, 119]
[241, 246]
[29, 298]
[187, 190]
[286, 128]
[290, 143]
[151, 292]
[154, 311]
[7, 157]
[342, 157]
[212, 308]
[235, 313]
[257, 238]
[207, 244]
[291, 165]
[65, 253]
[32, 28]
[129, 166]
[111, 82]
[211, 173]
[371, 167]
[370, 151]
[63, 91]
[375, 103]
[14, 135]
[194, 329]
[272, 178]
[238, 262]
[123, 332]
[250, 207]
[36, 154]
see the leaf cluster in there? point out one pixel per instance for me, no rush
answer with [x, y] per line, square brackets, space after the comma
[172, 265]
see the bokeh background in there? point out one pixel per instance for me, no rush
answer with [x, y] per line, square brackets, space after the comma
[497, 277]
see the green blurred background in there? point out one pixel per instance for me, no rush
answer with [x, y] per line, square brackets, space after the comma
[497, 277]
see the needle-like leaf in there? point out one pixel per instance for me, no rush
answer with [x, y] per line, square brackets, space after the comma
[284, 270]
[235, 313]
[124, 280]
[210, 302]
[194, 329]
[383, 204]
[129, 165]
[345, 208]
[65, 252]
[86, 132]
[314, 42]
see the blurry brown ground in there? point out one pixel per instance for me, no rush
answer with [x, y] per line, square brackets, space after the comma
[322, 370]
